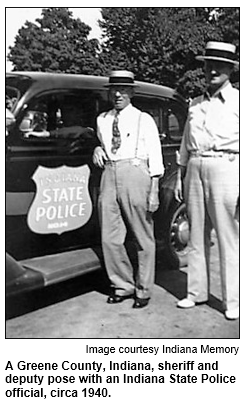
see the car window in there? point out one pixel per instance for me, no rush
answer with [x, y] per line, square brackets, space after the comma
[151, 107]
[59, 115]
[166, 116]
[11, 97]
[16, 86]
[154, 111]
[174, 126]
[175, 123]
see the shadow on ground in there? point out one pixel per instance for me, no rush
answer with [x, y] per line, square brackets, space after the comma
[30, 301]
[175, 282]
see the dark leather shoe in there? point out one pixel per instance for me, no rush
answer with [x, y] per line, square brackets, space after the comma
[117, 299]
[139, 303]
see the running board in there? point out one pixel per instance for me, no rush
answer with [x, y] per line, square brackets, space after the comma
[59, 267]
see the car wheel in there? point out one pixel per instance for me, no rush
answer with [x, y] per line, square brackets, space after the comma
[177, 236]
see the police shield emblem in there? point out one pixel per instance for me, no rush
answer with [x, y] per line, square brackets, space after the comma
[62, 201]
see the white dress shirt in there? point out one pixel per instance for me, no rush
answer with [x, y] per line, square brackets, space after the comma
[139, 137]
[212, 124]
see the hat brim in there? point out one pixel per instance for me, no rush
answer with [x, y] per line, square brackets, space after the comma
[202, 58]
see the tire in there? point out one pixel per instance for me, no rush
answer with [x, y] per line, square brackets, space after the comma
[177, 236]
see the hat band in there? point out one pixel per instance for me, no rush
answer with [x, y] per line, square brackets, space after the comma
[220, 53]
[121, 80]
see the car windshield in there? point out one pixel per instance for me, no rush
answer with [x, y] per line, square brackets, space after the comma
[16, 86]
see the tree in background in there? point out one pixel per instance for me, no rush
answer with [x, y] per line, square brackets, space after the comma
[55, 43]
[160, 43]
[228, 22]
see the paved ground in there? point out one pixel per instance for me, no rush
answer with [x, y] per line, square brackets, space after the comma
[78, 309]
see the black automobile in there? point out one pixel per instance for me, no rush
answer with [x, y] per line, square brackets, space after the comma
[52, 227]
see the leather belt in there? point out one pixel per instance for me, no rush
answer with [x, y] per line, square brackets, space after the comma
[133, 161]
[215, 153]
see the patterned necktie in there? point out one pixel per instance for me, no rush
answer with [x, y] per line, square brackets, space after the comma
[116, 139]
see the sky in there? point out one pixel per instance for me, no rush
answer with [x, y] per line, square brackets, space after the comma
[17, 16]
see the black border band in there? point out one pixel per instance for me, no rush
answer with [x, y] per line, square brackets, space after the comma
[220, 53]
[121, 80]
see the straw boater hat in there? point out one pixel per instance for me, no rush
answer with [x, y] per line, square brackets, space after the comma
[219, 51]
[121, 78]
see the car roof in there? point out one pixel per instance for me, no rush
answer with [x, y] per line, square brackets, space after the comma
[64, 80]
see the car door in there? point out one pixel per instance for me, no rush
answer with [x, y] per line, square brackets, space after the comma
[51, 184]
[169, 118]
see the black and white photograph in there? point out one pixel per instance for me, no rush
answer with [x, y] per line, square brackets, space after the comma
[122, 204]
[122, 173]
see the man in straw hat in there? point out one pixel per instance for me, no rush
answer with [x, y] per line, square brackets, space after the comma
[209, 164]
[130, 154]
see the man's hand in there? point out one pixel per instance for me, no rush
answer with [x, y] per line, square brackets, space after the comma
[178, 194]
[99, 157]
[178, 189]
[153, 202]
[153, 199]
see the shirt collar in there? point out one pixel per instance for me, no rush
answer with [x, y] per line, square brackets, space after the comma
[124, 110]
[221, 93]
[225, 91]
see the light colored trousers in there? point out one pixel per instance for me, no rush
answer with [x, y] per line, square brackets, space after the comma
[211, 191]
[123, 204]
